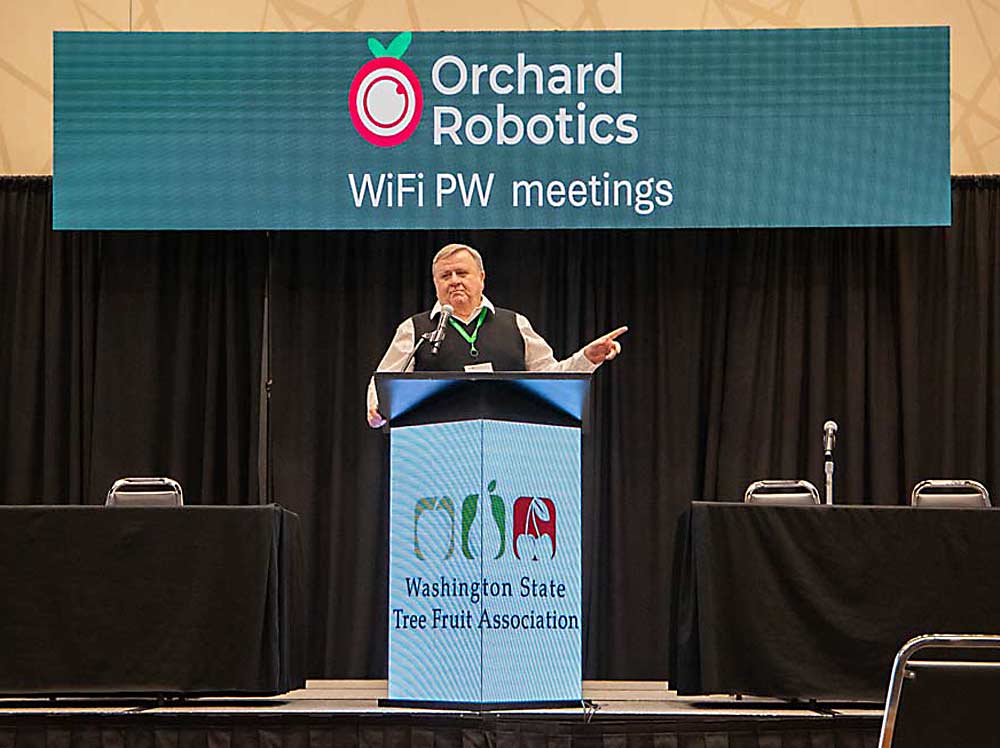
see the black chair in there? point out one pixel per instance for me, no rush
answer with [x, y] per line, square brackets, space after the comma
[782, 493]
[945, 697]
[953, 494]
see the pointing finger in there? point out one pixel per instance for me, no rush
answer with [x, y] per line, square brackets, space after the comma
[615, 333]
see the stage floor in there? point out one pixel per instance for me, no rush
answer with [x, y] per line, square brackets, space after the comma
[609, 699]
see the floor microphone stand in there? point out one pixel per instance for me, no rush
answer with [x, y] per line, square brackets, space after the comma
[829, 476]
[829, 442]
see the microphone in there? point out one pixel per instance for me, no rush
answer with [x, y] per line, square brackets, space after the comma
[829, 437]
[438, 335]
[829, 440]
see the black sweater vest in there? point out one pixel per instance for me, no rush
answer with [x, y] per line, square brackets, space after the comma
[499, 343]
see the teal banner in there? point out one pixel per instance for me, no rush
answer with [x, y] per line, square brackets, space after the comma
[627, 129]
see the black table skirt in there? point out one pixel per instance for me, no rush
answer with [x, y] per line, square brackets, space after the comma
[191, 600]
[814, 602]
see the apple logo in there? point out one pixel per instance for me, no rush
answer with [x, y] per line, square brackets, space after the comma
[385, 98]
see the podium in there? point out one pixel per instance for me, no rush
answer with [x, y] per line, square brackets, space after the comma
[484, 537]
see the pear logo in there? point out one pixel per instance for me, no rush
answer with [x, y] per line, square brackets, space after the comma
[386, 99]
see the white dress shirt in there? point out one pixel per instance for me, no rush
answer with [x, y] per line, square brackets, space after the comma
[537, 353]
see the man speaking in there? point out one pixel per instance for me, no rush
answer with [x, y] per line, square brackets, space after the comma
[483, 337]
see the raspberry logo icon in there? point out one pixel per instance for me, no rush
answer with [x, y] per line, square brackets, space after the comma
[386, 99]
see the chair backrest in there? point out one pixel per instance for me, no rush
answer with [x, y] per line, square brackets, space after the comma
[967, 494]
[782, 493]
[145, 492]
[946, 696]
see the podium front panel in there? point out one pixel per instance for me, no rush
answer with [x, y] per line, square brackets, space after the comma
[435, 649]
[485, 582]
[531, 639]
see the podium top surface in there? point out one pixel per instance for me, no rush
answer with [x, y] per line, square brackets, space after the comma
[545, 396]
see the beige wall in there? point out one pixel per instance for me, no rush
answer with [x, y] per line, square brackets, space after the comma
[26, 43]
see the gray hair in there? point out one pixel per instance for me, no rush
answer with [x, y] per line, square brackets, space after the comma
[449, 249]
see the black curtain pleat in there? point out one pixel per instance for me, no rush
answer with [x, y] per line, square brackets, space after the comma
[950, 341]
[335, 300]
[48, 311]
[142, 352]
[178, 362]
[126, 354]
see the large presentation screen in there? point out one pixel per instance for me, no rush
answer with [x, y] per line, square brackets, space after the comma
[630, 129]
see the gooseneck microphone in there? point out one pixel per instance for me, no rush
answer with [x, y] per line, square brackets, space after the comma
[434, 338]
[438, 335]
[829, 442]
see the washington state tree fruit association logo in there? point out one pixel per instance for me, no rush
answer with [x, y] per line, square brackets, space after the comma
[534, 525]
[386, 99]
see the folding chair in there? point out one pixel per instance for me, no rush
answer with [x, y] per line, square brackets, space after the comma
[967, 494]
[145, 492]
[782, 493]
[945, 698]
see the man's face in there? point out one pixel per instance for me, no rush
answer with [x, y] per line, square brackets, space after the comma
[459, 282]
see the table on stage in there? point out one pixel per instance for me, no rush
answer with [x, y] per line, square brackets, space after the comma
[191, 600]
[814, 602]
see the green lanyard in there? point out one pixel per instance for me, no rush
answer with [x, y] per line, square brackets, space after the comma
[470, 339]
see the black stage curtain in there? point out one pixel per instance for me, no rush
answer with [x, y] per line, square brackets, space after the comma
[178, 362]
[742, 343]
[48, 313]
[126, 354]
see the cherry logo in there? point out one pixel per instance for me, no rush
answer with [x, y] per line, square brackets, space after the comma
[386, 99]
[534, 528]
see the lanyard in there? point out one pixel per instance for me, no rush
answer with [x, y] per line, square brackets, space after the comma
[471, 339]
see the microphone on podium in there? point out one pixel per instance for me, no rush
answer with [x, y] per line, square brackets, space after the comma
[434, 338]
[438, 335]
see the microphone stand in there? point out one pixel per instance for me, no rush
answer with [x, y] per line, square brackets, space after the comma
[420, 341]
[828, 465]
[829, 442]
[425, 338]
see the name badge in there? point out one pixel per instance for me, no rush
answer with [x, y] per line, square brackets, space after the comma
[487, 366]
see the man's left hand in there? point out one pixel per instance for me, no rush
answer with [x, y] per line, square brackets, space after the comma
[605, 347]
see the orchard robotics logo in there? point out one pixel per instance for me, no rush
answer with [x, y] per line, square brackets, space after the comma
[386, 99]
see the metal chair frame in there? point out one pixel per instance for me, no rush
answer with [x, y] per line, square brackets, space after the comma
[167, 487]
[903, 661]
[804, 488]
[960, 488]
